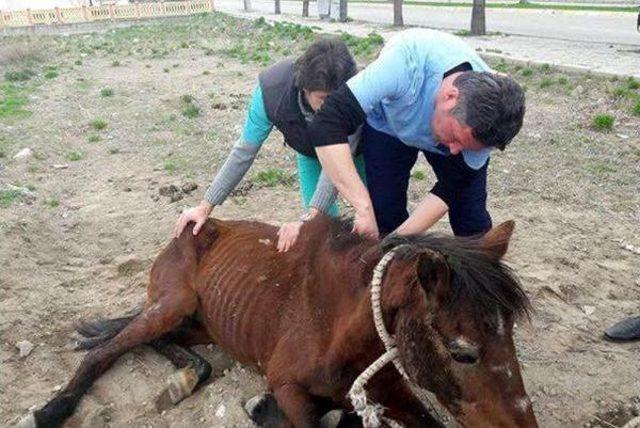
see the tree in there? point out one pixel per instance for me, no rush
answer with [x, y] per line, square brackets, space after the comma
[397, 13]
[277, 7]
[343, 10]
[305, 8]
[478, 27]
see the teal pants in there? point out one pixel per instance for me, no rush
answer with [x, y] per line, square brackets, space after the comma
[308, 174]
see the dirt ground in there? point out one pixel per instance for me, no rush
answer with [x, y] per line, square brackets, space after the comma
[82, 217]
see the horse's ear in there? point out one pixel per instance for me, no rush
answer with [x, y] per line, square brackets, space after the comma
[496, 241]
[433, 272]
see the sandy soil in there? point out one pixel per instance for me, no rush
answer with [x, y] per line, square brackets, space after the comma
[79, 242]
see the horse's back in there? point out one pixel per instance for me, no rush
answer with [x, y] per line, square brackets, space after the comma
[243, 286]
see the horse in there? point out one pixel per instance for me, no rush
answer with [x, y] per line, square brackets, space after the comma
[304, 319]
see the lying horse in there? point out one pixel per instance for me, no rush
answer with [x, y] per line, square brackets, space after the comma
[304, 318]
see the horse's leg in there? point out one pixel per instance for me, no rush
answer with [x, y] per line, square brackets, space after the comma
[158, 318]
[297, 404]
[403, 406]
[193, 370]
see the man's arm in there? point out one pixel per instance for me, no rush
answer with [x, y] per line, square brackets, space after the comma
[427, 213]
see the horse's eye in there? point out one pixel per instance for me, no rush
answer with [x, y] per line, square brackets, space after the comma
[464, 352]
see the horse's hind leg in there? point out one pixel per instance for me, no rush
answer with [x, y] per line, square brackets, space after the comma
[193, 370]
[156, 320]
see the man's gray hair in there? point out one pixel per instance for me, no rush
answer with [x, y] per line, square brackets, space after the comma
[492, 105]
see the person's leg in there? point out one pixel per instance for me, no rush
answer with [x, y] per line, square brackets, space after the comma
[308, 174]
[388, 163]
[468, 213]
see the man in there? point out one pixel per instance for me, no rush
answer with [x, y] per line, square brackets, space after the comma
[426, 92]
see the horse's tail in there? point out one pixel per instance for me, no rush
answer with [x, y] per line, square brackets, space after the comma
[98, 331]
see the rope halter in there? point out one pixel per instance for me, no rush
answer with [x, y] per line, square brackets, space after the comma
[371, 413]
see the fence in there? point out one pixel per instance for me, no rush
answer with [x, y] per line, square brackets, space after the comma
[72, 15]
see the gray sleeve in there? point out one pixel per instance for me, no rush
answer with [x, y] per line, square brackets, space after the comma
[326, 192]
[234, 168]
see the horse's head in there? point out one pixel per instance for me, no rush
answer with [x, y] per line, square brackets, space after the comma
[454, 326]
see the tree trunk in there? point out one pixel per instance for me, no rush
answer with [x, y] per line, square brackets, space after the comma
[343, 10]
[478, 27]
[397, 14]
[247, 5]
[305, 8]
[277, 7]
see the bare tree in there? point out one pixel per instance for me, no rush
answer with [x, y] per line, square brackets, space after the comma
[478, 27]
[247, 5]
[305, 8]
[277, 7]
[397, 14]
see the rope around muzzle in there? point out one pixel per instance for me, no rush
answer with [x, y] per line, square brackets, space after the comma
[372, 414]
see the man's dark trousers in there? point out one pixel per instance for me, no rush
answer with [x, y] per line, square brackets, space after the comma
[388, 164]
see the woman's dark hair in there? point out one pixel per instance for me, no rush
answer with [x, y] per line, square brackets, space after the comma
[324, 66]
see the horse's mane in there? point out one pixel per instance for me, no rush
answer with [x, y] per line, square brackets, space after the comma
[478, 283]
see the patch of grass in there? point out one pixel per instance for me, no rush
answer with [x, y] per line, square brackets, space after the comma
[78, 62]
[191, 111]
[562, 80]
[418, 175]
[51, 202]
[166, 70]
[115, 64]
[546, 82]
[74, 155]
[18, 75]
[363, 46]
[273, 177]
[186, 98]
[621, 92]
[501, 67]
[463, 33]
[94, 138]
[12, 101]
[114, 150]
[106, 92]
[527, 72]
[170, 166]
[636, 109]
[8, 197]
[603, 122]
[633, 84]
[545, 68]
[98, 124]
[50, 74]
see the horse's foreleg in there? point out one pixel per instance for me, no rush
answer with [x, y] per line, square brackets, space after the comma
[157, 319]
[297, 404]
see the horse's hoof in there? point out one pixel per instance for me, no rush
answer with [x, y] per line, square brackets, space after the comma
[180, 385]
[28, 421]
[340, 419]
[263, 410]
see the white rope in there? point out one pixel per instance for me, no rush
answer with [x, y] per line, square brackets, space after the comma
[371, 413]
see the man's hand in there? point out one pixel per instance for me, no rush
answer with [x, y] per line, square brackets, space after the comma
[365, 224]
[288, 234]
[197, 214]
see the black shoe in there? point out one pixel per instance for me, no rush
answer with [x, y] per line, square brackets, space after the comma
[626, 330]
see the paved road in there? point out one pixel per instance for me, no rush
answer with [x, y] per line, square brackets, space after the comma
[613, 49]
[601, 27]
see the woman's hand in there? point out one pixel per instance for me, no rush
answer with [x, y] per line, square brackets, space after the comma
[288, 234]
[198, 215]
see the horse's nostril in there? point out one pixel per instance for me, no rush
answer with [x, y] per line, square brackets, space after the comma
[463, 352]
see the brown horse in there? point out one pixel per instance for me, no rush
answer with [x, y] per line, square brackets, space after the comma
[304, 319]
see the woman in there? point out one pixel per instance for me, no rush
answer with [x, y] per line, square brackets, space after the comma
[287, 96]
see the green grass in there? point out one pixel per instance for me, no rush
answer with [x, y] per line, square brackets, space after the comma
[170, 166]
[633, 84]
[74, 155]
[115, 64]
[191, 111]
[527, 72]
[546, 82]
[186, 98]
[98, 124]
[603, 122]
[78, 62]
[18, 75]
[13, 98]
[51, 202]
[8, 197]
[273, 177]
[636, 109]
[50, 74]
[562, 80]
[114, 150]
[106, 92]
[363, 46]
[418, 175]
[94, 138]
[463, 33]
[517, 6]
